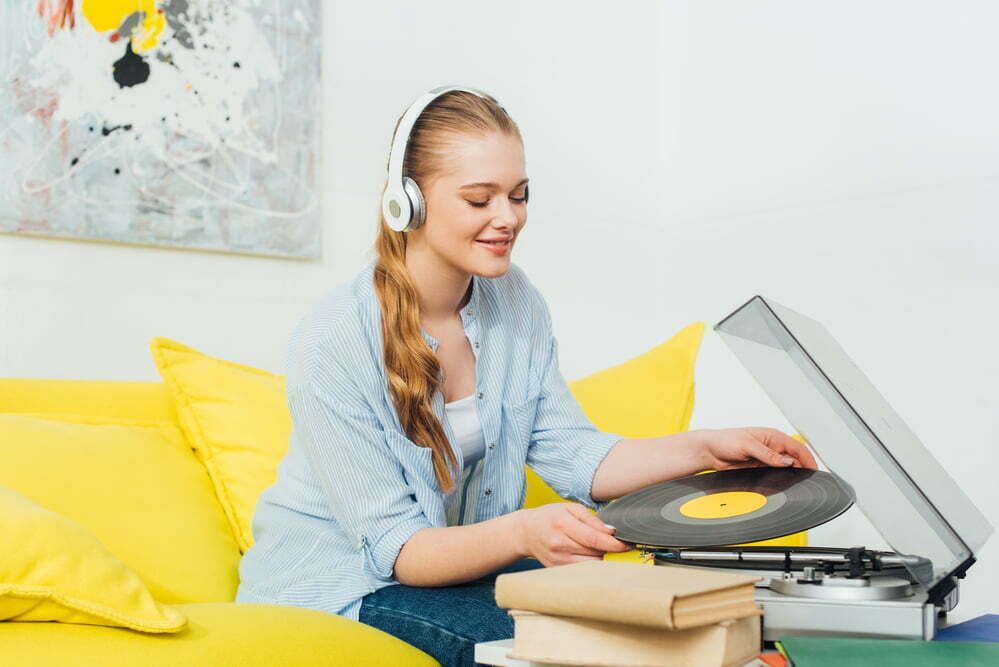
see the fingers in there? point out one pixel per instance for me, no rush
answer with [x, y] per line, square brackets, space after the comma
[753, 463]
[603, 529]
[757, 451]
[781, 449]
[575, 558]
[798, 451]
[589, 519]
[590, 533]
[770, 457]
[566, 546]
[568, 559]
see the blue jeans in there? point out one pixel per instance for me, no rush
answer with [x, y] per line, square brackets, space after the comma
[447, 621]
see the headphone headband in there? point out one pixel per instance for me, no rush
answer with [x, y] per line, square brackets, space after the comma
[402, 204]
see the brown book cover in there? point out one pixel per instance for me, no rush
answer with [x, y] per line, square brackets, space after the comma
[659, 596]
[583, 641]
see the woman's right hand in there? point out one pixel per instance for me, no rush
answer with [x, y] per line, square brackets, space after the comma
[562, 533]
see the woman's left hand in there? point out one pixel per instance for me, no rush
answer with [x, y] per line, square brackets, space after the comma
[753, 447]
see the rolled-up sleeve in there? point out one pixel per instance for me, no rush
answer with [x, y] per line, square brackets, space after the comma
[565, 447]
[364, 484]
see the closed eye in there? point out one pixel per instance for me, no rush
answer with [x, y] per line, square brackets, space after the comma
[483, 204]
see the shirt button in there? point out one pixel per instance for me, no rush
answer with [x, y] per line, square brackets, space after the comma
[488, 492]
[480, 395]
[492, 445]
[476, 344]
[469, 311]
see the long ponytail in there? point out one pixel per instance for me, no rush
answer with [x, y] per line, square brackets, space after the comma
[412, 368]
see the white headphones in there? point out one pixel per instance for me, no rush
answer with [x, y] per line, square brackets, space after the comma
[403, 205]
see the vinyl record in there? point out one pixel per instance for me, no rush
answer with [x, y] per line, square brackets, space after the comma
[728, 507]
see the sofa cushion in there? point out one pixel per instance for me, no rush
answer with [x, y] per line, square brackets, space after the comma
[237, 419]
[139, 488]
[58, 571]
[241, 634]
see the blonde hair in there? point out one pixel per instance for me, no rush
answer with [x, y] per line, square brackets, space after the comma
[413, 370]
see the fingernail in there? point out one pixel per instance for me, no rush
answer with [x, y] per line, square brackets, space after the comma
[609, 527]
[787, 461]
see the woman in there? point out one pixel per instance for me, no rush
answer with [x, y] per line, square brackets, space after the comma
[419, 390]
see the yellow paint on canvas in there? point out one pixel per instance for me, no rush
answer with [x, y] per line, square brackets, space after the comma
[106, 15]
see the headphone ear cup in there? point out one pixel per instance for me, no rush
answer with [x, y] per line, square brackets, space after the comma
[419, 206]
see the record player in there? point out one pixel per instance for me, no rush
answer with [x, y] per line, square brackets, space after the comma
[873, 460]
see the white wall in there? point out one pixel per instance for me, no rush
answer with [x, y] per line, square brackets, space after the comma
[839, 158]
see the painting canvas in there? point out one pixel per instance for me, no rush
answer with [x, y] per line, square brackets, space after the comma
[184, 123]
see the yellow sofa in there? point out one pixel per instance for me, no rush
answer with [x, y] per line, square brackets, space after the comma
[134, 481]
[114, 457]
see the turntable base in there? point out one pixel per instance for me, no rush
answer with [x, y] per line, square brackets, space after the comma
[793, 616]
[825, 592]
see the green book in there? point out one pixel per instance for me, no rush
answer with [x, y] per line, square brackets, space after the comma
[826, 652]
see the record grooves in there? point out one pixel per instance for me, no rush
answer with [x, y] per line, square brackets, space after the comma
[728, 507]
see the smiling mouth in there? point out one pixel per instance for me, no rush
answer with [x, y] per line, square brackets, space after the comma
[495, 243]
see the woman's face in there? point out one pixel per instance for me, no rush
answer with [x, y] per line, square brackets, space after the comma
[479, 199]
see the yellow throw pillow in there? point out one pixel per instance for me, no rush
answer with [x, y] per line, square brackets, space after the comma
[137, 487]
[236, 417]
[644, 397]
[54, 569]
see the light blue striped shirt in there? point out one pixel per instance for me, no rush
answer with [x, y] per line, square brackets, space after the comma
[353, 488]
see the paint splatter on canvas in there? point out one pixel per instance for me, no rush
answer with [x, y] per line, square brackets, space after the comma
[188, 123]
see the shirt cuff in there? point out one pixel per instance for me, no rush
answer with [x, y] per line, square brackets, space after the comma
[591, 453]
[381, 555]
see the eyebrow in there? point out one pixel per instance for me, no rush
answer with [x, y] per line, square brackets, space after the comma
[493, 186]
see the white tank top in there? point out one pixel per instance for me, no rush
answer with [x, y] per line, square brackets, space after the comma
[464, 419]
[461, 503]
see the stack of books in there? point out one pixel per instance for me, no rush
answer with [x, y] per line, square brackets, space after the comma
[612, 613]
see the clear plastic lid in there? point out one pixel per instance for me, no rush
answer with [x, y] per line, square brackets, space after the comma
[901, 488]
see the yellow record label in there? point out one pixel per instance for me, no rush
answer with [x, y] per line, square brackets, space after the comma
[723, 505]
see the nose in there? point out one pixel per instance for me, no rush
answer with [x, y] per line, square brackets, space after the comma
[506, 216]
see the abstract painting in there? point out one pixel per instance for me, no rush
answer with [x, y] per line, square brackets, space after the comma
[182, 123]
